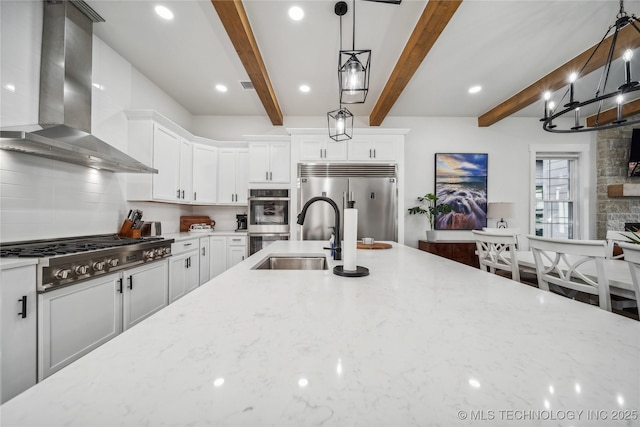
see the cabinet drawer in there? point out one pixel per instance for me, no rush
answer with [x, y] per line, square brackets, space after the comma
[237, 240]
[185, 246]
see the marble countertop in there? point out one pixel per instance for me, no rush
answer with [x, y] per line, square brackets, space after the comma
[185, 235]
[420, 341]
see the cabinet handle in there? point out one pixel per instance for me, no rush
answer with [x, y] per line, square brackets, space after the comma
[194, 195]
[325, 153]
[188, 244]
[270, 176]
[183, 194]
[374, 153]
[131, 282]
[369, 152]
[178, 193]
[23, 313]
[235, 240]
[120, 287]
[266, 176]
[321, 153]
[203, 254]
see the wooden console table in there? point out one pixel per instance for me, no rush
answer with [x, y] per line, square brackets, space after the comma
[463, 251]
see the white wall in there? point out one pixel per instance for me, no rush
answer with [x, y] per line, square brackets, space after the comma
[507, 143]
[41, 198]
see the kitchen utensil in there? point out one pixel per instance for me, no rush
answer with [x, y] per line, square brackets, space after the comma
[200, 228]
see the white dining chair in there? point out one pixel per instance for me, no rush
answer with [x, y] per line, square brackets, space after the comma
[560, 263]
[631, 253]
[614, 238]
[491, 248]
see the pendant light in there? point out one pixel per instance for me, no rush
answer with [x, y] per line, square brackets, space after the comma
[340, 121]
[353, 66]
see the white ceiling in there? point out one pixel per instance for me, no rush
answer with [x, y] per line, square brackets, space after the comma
[502, 45]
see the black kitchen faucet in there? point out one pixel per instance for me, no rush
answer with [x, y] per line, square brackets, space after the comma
[337, 250]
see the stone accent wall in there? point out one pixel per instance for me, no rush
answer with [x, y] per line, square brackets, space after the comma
[612, 168]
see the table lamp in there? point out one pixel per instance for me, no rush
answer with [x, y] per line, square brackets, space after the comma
[500, 210]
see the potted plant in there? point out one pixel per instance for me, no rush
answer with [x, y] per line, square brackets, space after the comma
[432, 210]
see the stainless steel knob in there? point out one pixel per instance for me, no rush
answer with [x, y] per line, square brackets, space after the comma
[148, 254]
[82, 269]
[113, 262]
[61, 273]
[98, 266]
[158, 252]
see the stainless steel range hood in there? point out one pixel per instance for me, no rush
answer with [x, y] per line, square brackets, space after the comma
[64, 129]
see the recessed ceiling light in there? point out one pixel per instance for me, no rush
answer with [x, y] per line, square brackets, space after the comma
[304, 88]
[221, 88]
[296, 13]
[164, 12]
[475, 89]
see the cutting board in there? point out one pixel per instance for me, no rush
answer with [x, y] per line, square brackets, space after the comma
[376, 245]
[187, 221]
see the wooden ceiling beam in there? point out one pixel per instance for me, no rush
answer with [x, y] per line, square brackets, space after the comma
[235, 21]
[608, 116]
[435, 17]
[628, 38]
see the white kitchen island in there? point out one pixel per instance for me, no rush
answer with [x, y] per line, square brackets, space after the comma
[420, 341]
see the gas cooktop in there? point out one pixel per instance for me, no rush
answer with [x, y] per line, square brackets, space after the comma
[63, 262]
[55, 247]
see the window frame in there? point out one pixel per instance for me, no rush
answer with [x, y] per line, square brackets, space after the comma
[580, 183]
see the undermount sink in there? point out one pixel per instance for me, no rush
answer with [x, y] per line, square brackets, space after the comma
[292, 262]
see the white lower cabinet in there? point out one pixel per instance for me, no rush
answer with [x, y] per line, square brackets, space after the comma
[145, 291]
[74, 320]
[225, 252]
[236, 250]
[184, 268]
[18, 329]
[205, 268]
[217, 255]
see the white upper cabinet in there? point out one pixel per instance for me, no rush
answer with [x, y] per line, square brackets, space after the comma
[186, 171]
[161, 145]
[233, 175]
[269, 162]
[205, 174]
[373, 147]
[166, 158]
[321, 147]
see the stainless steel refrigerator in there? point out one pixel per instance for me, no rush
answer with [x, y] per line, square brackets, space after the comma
[372, 186]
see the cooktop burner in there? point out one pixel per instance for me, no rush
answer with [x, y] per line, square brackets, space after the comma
[57, 247]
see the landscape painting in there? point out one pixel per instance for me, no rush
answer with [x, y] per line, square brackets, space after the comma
[461, 183]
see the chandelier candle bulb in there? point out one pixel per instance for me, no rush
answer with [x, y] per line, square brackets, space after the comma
[628, 54]
[577, 125]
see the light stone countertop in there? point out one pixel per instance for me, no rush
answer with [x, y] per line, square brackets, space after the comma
[421, 341]
[185, 235]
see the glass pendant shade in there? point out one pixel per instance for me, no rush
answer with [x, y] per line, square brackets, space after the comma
[353, 75]
[340, 124]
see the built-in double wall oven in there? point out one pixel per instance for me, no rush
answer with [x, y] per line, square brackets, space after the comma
[268, 217]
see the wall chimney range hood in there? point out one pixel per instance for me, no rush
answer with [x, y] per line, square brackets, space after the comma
[64, 129]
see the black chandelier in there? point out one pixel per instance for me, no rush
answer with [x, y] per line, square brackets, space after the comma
[620, 95]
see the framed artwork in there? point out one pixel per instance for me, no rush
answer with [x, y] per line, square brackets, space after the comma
[461, 183]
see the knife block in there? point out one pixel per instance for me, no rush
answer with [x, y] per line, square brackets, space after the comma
[125, 229]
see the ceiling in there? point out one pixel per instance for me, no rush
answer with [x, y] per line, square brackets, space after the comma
[504, 46]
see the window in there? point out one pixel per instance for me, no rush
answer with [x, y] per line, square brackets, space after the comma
[554, 197]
